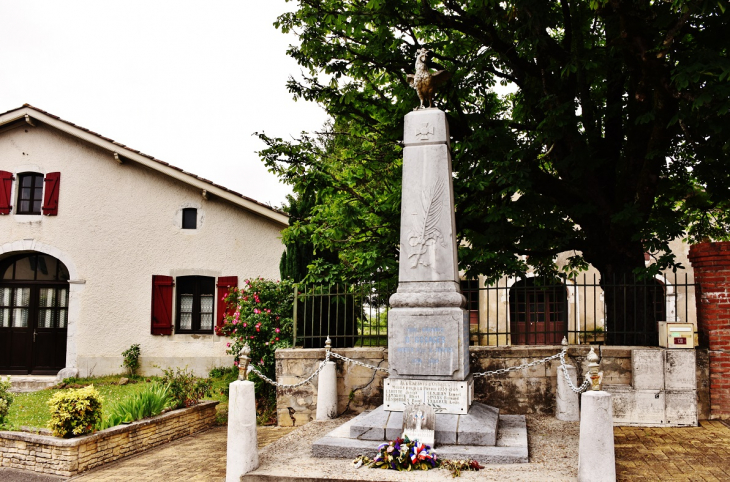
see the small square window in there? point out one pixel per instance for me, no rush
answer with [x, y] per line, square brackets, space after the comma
[189, 218]
[30, 193]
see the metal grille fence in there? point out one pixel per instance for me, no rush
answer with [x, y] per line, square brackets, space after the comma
[513, 311]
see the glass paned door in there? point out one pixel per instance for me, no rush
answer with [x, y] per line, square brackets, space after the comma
[33, 328]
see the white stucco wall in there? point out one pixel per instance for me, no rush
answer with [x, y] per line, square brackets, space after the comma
[585, 309]
[117, 225]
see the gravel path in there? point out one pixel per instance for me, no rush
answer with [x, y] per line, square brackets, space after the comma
[553, 447]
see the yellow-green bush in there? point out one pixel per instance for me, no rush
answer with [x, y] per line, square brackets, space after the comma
[75, 412]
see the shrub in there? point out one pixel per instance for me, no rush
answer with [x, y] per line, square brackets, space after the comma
[6, 398]
[75, 412]
[262, 319]
[147, 403]
[185, 390]
[131, 359]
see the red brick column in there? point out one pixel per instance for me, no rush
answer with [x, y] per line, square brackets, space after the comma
[711, 263]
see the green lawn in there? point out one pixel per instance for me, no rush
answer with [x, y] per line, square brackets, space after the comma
[30, 409]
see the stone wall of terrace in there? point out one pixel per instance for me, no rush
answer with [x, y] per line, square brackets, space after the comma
[68, 457]
[519, 392]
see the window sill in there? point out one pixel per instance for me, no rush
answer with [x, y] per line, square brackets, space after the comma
[27, 218]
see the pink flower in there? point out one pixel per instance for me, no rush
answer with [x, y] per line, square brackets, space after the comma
[245, 325]
[235, 363]
[277, 338]
[252, 337]
[256, 311]
[228, 345]
[266, 343]
[277, 330]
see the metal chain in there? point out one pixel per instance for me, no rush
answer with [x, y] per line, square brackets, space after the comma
[500, 371]
[580, 389]
[295, 385]
[521, 367]
[342, 357]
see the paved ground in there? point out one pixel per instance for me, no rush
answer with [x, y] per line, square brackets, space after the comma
[642, 454]
[682, 454]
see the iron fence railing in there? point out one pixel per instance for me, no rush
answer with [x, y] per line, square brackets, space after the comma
[513, 311]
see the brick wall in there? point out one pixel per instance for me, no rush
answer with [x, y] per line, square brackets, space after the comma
[68, 457]
[518, 392]
[711, 263]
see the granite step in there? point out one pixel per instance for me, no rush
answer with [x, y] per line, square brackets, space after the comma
[30, 383]
[478, 427]
[510, 447]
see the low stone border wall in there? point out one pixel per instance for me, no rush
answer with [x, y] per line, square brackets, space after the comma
[518, 392]
[68, 457]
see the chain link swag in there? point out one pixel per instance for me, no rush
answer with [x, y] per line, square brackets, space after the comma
[500, 371]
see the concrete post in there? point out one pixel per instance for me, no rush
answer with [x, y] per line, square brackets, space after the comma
[596, 457]
[242, 453]
[566, 400]
[327, 392]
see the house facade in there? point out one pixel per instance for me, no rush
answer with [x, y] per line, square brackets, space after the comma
[531, 311]
[102, 247]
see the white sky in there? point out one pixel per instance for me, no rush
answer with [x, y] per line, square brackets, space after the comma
[187, 82]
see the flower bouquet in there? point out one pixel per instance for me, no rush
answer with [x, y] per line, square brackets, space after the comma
[401, 454]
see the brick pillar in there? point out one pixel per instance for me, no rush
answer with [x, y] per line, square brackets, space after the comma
[711, 264]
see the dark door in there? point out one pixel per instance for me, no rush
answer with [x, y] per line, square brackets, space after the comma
[537, 313]
[33, 316]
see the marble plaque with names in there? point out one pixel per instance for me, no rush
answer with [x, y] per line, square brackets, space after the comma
[419, 423]
[444, 396]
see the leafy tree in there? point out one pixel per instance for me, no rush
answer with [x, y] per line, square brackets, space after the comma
[612, 143]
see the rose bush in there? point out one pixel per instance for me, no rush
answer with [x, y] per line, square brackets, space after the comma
[262, 316]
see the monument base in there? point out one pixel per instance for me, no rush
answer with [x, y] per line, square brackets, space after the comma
[482, 435]
[428, 343]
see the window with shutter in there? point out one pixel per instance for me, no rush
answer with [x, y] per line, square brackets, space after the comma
[30, 193]
[162, 305]
[225, 283]
[50, 198]
[6, 187]
[195, 304]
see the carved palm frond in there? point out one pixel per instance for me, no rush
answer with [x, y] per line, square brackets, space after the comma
[432, 207]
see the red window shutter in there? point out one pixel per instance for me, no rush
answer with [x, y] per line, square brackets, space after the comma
[6, 187]
[50, 193]
[225, 283]
[162, 305]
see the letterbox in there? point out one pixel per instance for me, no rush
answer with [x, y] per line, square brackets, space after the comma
[676, 335]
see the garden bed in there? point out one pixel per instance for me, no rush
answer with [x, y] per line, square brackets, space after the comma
[68, 457]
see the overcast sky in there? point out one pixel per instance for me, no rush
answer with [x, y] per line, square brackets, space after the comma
[187, 82]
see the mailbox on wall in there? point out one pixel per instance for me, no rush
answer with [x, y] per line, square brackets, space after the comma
[676, 335]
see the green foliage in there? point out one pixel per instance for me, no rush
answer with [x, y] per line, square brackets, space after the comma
[75, 412]
[263, 320]
[147, 403]
[131, 359]
[601, 128]
[6, 399]
[184, 389]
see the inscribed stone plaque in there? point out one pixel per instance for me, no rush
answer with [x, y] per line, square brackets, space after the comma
[443, 396]
[428, 342]
[680, 370]
[647, 369]
[419, 422]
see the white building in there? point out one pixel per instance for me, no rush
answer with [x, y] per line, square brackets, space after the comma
[102, 247]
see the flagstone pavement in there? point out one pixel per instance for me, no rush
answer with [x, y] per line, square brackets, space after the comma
[642, 454]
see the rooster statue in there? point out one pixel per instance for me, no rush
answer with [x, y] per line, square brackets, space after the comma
[424, 81]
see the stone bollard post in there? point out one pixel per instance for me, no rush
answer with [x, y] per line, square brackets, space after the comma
[566, 400]
[242, 453]
[596, 457]
[327, 392]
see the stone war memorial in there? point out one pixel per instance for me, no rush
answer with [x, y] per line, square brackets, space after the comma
[428, 328]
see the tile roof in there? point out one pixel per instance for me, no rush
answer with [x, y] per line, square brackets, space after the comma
[123, 146]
